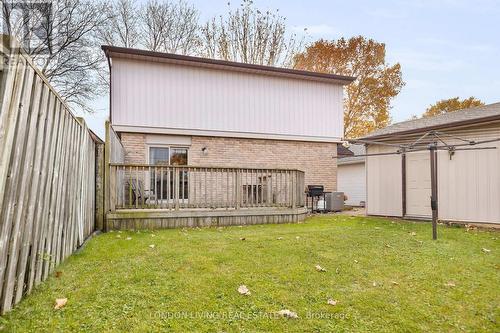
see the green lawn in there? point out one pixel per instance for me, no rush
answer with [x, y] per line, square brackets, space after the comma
[386, 276]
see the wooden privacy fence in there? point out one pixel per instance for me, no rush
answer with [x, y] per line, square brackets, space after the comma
[47, 177]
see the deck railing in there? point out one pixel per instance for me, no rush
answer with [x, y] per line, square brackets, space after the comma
[142, 186]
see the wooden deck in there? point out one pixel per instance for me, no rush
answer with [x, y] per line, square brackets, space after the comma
[139, 219]
[169, 196]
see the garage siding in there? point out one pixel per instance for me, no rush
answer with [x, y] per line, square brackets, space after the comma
[352, 181]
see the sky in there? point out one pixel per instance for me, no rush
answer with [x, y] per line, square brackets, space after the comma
[446, 48]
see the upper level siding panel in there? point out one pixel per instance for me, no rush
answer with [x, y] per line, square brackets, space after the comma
[172, 96]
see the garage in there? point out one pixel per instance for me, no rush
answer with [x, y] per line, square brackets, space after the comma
[468, 178]
[351, 175]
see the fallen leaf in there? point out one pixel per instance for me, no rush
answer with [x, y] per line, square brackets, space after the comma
[153, 235]
[60, 302]
[58, 274]
[388, 245]
[243, 290]
[377, 228]
[449, 284]
[413, 233]
[279, 238]
[395, 283]
[128, 238]
[319, 268]
[152, 246]
[355, 261]
[486, 250]
[118, 236]
[374, 284]
[332, 301]
[297, 237]
[242, 238]
[469, 227]
[288, 314]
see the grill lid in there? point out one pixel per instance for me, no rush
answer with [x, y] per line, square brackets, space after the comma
[315, 190]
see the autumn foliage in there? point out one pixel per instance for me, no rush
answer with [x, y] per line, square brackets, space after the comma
[366, 100]
[450, 105]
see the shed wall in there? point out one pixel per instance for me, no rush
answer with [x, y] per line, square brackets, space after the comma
[468, 182]
[384, 182]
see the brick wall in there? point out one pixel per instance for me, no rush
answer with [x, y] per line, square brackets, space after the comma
[135, 147]
[314, 158]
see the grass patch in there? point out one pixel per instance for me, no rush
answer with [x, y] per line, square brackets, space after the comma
[386, 276]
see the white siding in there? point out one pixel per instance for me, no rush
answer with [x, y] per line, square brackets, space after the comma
[352, 181]
[172, 96]
[384, 182]
[468, 183]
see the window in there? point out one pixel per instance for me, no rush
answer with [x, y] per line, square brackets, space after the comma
[159, 156]
[168, 156]
[163, 184]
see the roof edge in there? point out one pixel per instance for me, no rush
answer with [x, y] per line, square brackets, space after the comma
[433, 127]
[340, 79]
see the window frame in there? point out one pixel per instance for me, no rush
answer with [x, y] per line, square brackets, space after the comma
[170, 147]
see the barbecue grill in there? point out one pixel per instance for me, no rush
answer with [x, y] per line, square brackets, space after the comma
[315, 191]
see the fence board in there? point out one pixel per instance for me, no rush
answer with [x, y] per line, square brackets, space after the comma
[47, 177]
[32, 195]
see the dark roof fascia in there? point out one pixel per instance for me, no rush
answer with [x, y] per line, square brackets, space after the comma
[111, 51]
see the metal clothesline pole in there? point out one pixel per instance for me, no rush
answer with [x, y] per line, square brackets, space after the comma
[434, 196]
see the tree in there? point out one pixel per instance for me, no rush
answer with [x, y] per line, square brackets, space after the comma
[123, 26]
[251, 36]
[57, 35]
[170, 27]
[367, 100]
[450, 105]
[162, 26]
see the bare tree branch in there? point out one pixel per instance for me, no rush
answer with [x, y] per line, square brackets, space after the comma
[251, 36]
[57, 36]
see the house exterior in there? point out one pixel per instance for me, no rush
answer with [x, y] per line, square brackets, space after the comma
[468, 180]
[171, 109]
[351, 175]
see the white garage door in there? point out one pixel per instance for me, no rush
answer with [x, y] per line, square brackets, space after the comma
[351, 180]
[418, 185]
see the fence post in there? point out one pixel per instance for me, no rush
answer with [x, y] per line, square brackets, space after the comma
[107, 155]
[99, 186]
